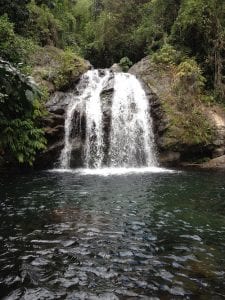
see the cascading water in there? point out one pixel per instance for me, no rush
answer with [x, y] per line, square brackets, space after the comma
[66, 152]
[130, 138]
[87, 103]
[94, 130]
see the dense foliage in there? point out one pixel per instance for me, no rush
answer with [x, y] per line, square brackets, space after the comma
[106, 31]
[19, 108]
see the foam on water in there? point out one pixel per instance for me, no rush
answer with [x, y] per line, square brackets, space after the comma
[114, 171]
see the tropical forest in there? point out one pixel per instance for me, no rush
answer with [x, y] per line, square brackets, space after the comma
[112, 149]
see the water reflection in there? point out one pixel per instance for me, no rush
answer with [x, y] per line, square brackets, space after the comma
[69, 236]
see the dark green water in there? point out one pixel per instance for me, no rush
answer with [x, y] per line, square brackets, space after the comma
[73, 236]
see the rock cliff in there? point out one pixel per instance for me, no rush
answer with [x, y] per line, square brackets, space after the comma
[186, 128]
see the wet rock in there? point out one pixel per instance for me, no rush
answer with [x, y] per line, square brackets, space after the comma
[77, 153]
[53, 120]
[168, 157]
[58, 103]
[106, 98]
[216, 163]
[56, 132]
[50, 157]
[218, 152]
[116, 68]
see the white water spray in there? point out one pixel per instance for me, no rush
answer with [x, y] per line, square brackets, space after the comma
[131, 140]
[94, 130]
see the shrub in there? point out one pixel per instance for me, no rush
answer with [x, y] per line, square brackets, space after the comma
[42, 25]
[13, 47]
[68, 69]
[125, 63]
[168, 55]
[21, 139]
[189, 76]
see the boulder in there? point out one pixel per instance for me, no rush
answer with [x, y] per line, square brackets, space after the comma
[58, 102]
[116, 68]
[216, 163]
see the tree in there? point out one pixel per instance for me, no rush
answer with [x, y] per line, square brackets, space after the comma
[200, 28]
[112, 37]
[17, 12]
[21, 136]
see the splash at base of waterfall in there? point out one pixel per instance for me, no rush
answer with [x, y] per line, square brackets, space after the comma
[115, 171]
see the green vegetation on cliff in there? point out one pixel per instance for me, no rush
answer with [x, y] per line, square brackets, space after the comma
[182, 99]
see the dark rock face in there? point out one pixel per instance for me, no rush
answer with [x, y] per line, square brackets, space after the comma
[106, 98]
[160, 122]
[78, 135]
[169, 157]
[77, 152]
[54, 130]
[58, 103]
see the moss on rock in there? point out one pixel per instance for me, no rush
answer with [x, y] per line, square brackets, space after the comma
[57, 69]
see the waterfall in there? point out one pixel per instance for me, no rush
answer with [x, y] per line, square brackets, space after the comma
[87, 103]
[130, 138]
[94, 131]
[66, 152]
